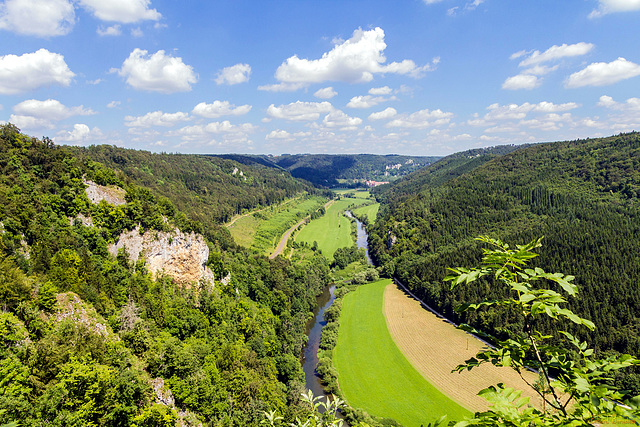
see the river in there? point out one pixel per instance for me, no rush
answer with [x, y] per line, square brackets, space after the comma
[314, 330]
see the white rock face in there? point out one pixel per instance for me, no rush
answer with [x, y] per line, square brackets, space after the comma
[96, 193]
[180, 256]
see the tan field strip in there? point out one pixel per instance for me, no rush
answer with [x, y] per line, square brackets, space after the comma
[435, 347]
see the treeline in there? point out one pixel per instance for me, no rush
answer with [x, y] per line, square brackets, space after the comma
[93, 339]
[583, 196]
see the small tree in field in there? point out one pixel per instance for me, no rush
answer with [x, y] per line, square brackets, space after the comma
[574, 385]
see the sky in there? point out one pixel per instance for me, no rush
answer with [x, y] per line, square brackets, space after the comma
[414, 77]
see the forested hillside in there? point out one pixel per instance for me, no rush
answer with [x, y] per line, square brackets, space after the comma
[89, 338]
[211, 188]
[582, 196]
[343, 170]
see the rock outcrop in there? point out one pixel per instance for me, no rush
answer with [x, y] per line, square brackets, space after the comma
[178, 255]
[112, 195]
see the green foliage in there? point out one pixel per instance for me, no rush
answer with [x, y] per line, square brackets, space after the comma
[580, 194]
[577, 386]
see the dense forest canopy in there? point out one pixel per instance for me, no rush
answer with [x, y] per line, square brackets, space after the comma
[94, 339]
[582, 196]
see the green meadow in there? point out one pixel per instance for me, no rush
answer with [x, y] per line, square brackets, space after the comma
[332, 230]
[371, 211]
[372, 372]
[262, 230]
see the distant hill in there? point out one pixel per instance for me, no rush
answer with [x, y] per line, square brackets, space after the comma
[582, 196]
[339, 170]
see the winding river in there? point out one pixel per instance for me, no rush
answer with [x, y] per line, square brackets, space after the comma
[314, 330]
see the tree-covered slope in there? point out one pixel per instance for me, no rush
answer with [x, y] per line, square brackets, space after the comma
[583, 196]
[89, 338]
[210, 188]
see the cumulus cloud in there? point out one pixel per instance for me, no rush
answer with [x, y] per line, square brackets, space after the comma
[631, 104]
[156, 118]
[35, 114]
[300, 111]
[113, 104]
[338, 119]
[535, 60]
[40, 18]
[234, 75]
[521, 81]
[367, 101]
[518, 112]
[114, 30]
[556, 52]
[384, 114]
[51, 109]
[384, 90]
[157, 73]
[33, 70]
[279, 134]
[353, 61]
[421, 119]
[325, 93]
[612, 6]
[603, 73]
[80, 134]
[219, 109]
[123, 11]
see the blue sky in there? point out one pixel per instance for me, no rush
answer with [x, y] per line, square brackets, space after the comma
[421, 77]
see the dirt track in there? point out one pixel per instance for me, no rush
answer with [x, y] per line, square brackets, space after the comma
[434, 347]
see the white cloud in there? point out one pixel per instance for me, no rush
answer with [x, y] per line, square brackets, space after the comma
[519, 112]
[325, 93]
[631, 104]
[367, 101]
[431, 1]
[32, 70]
[40, 18]
[555, 52]
[136, 32]
[384, 114]
[123, 11]
[227, 127]
[282, 87]
[422, 119]
[94, 82]
[114, 30]
[233, 75]
[384, 90]
[156, 118]
[220, 108]
[157, 73]
[529, 78]
[279, 134]
[521, 81]
[113, 104]
[51, 109]
[341, 120]
[29, 122]
[354, 61]
[603, 73]
[612, 6]
[80, 134]
[300, 111]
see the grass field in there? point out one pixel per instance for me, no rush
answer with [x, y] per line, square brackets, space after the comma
[372, 372]
[332, 230]
[371, 211]
[359, 194]
[262, 230]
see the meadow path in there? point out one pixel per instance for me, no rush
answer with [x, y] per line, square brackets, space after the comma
[287, 234]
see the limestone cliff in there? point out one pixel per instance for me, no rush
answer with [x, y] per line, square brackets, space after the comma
[180, 256]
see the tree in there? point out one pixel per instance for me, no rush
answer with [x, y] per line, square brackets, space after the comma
[575, 384]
